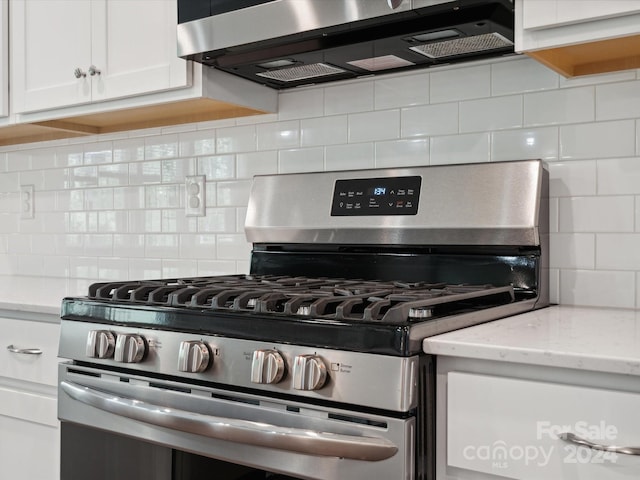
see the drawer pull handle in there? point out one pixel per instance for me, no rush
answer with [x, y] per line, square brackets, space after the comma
[25, 351]
[573, 438]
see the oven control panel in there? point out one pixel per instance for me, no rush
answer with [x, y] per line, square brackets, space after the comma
[376, 196]
[303, 371]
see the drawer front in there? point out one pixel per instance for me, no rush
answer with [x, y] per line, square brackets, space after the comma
[509, 428]
[24, 334]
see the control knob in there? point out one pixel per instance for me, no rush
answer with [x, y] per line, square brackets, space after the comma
[193, 356]
[100, 344]
[130, 348]
[267, 366]
[309, 372]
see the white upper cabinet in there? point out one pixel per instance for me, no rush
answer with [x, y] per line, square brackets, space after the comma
[580, 37]
[70, 52]
[4, 59]
[551, 13]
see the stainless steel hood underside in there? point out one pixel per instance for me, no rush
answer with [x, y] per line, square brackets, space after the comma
[288, 43]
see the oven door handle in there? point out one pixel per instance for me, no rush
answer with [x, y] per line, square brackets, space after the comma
[235, 430]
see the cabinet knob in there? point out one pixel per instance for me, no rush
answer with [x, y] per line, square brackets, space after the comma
[267, 366]
[130, 348]
[309, 372]
[93, 70]
[193, 357]
[79, 73]
[393, 4]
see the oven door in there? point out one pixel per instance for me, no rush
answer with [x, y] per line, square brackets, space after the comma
[271, 435]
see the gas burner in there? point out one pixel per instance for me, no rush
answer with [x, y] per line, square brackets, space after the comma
[322, 298]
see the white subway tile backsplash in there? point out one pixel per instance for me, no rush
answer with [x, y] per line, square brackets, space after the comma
[218, 220]
[198, 142]
[230, 247]
[429, 120]
[98, 199]
[299, 160]
[112, 206]
[162, 196]
[559, 106]
[128, 245]
[236, 139]
[525, 144]
[598, 140]
[163, 245]
[469, 148]
[522, 75]
[218, 167]
[463, 83]
[276, 135]
[374, 126]
[401, 91]
[175, 171]
[619, 100]
[619, 176]
[161, 146]
[496, 113]
[597, 214]
[98, 245]
[398, 153]
[108, 175]
[597, 288]
[324, 131]
[145, 268]
[126, 150]
[98, 153]
[572, 179]
[257, 163]
[350, 157]
[302, 103]
[83, 267]
[56, 266]
[577, 251]
[618, 251]
[233, 193]
[199, 245]
[145, 172]
[216, 267]
[349, 97]
[113, 268]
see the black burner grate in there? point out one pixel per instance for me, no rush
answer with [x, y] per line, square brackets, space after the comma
[320, 298]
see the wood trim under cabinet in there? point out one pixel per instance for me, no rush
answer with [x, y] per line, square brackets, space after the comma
[175, 113]
[593, 57]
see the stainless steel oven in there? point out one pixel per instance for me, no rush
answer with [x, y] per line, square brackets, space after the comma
[310, 367]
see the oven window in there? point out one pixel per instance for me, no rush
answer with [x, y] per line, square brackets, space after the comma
[98, 455]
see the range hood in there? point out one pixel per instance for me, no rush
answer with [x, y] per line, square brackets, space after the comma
[288, 43]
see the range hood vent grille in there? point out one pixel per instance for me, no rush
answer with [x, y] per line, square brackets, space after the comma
[303, 72]
[463, 46]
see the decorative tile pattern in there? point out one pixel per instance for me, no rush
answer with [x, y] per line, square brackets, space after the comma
[112, 206]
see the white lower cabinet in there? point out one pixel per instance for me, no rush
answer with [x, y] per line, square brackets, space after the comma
[496, 426]
[29, 428]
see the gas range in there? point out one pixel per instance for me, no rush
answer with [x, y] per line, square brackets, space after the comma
[350, 271]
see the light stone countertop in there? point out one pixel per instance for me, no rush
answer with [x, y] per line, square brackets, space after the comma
[596, 339]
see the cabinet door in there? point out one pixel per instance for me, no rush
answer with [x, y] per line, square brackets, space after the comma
[551, 13]
[134, 47]
[509, 428]
[4, 59]
[28, 449]
[50, 39]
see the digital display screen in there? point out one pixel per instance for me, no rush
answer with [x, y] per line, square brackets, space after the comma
[376, 196]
